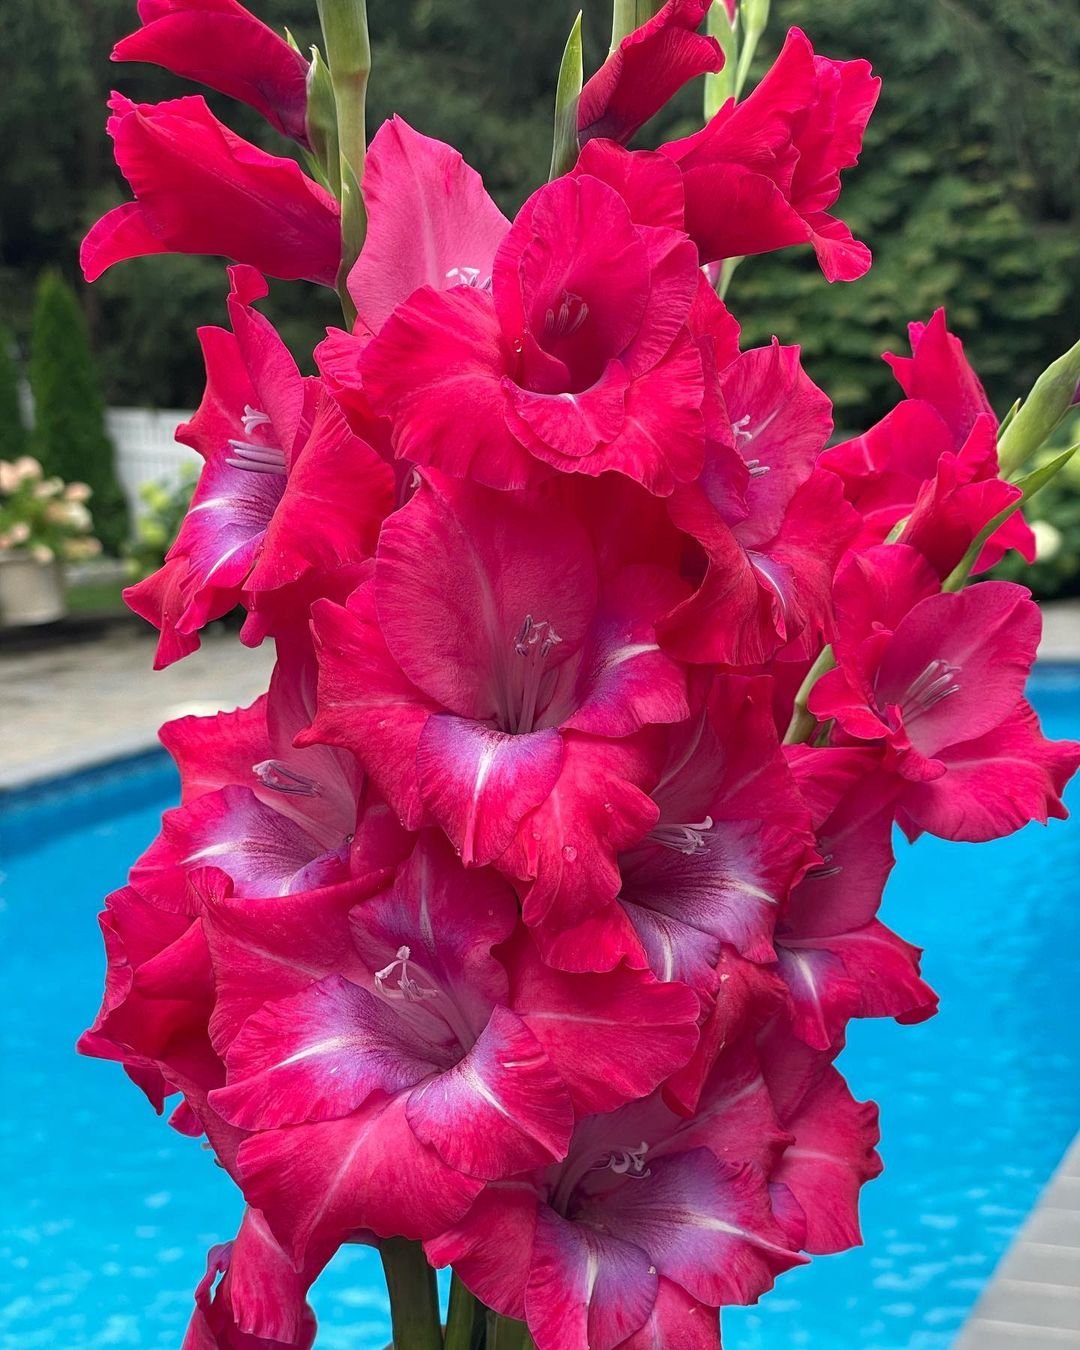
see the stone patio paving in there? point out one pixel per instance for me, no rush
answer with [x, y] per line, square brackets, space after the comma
[66, 706]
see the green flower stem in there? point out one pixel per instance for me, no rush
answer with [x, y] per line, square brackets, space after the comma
[414, 1299]
[348, 54]
[464, 1321]
[802, 724]
[503, 1333]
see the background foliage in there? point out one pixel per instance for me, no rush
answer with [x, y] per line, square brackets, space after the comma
[69, 437]
[969, 192]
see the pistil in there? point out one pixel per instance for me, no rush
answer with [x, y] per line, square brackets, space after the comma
[404, 987]
[273, 773]
[929, 688]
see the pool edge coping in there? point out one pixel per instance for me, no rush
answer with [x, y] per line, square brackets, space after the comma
[62, 764]
[1030, 1274]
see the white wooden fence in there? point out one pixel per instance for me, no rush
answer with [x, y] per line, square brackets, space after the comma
[146, 451]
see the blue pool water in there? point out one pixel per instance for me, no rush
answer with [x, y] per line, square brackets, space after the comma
[106, 1213]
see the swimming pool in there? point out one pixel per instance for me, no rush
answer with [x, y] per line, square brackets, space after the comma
[107, 1213]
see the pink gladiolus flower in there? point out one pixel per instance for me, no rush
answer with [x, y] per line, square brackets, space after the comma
[939, 679]
[764, 172]
[199, 188]
[399, 1023]
[772, 526]
[578, 358]
[649, 65]
[221, 44]
[654, 1220]
[836, 959]
[708, 871]
[276, 449]
[934, 455]
[518, 680]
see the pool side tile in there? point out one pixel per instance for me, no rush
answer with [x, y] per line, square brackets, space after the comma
[1042, 1263]
[987, 1335]
[1033, 1298]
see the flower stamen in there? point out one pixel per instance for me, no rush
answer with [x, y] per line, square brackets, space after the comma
[688, 839]
[534, 643]
[257, 458]
[928, 689]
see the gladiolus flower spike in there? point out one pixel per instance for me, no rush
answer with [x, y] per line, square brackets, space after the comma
[518, 926]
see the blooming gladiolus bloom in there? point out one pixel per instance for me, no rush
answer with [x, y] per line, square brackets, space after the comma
[939, 680]
[763, 172]
[276, 448]
[199, 188]
[654, 1220]
[404, 1026]
[771, 525]
[460, 677]
[221, 44]
[649, 65]
[578, 357]
[933, 458]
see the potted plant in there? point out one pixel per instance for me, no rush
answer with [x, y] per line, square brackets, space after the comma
[44, 522]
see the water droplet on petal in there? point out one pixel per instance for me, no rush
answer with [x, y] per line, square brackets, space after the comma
[569, 852]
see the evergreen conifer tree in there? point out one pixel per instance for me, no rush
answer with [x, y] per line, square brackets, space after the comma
[69, 435]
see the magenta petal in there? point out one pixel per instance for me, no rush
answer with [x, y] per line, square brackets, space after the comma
[993, 785]
[626, 681]
[263, 852]
[120, 234]
[437, 365]
[706, 1224]
[500, 1110]
[613, 1037]
[491, 1247]
[832, 1153]
[224, 46]
[430, 223]
[985, 637]
[587, 1286]
[324, 1181]
[478, 783]
[317, 1056]
[649, 66]
[677, 1319]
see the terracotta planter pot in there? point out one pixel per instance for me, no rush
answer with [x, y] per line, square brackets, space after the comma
[30, 591]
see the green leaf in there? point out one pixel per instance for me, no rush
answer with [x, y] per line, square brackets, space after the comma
[1029, 486]
[564, 148]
